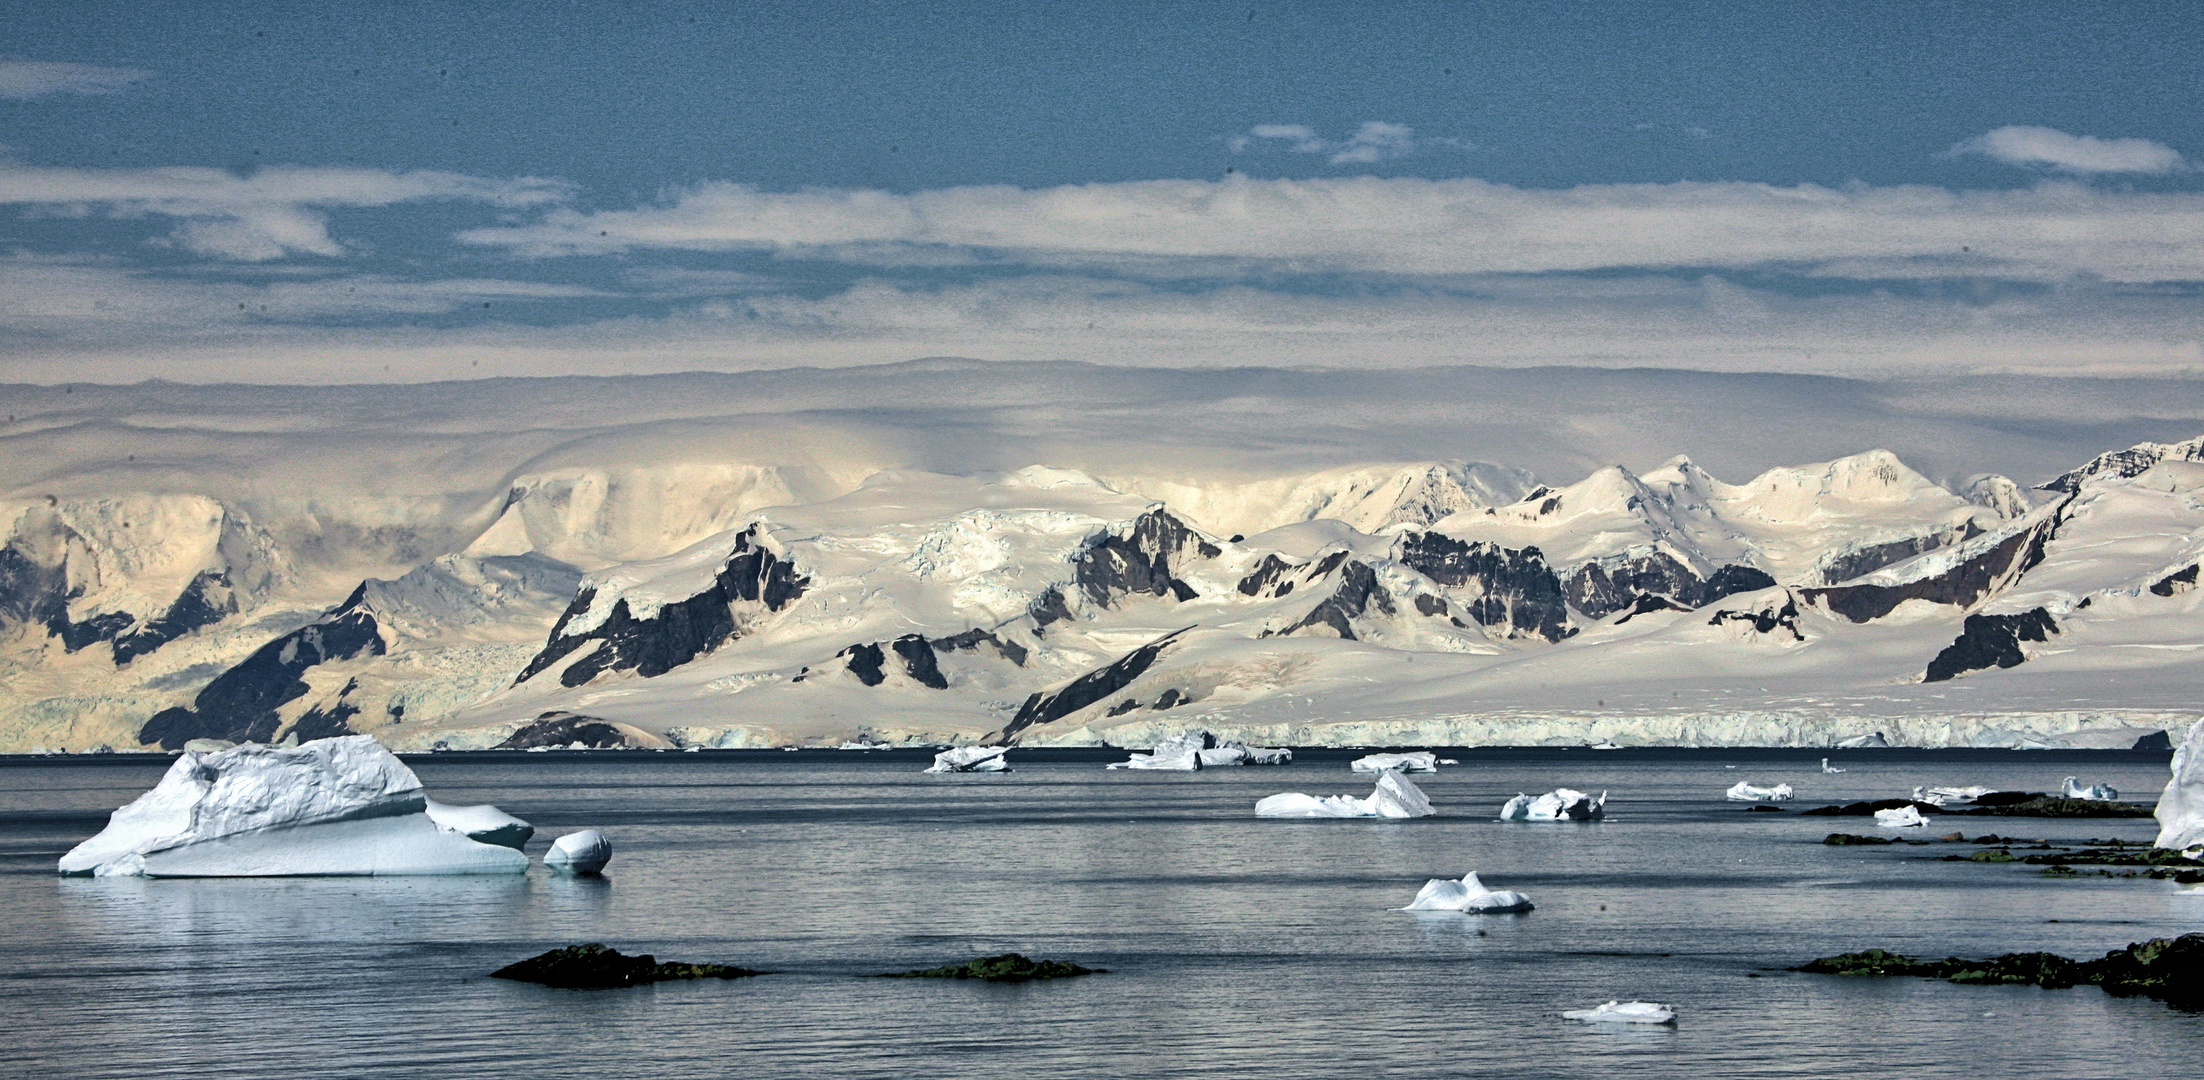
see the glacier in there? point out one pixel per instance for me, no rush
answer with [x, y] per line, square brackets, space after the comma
[342, 806]
[1393, 797]
[1467, 895]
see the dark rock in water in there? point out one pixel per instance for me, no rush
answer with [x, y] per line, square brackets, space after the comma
[1763, 808]
[2181, 580]
[1043, 706]
[1988, 641]
[1867, 809]
[1493, 585]
[1009, 967]
[2156, 740]
[559, 729]
[1838, 839]
[2008, 798]
[1766, 620]
[752, 578]
[240, 704]
[596, 967]
[2054, 806]
[2169, 969]
[1959, 586]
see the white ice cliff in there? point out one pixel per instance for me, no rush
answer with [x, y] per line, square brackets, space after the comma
[1394, 797]
[342, 806]
[2181, 807]
[1468, 895]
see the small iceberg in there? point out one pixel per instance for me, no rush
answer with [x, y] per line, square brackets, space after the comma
[1420, 761]
[1560, 804]
[1903, 817]
[1938, 796]
[1394, 797]
[1746, 792]
[585, 852]
[1467, 895]
[970, 759]
[1193, 751]
[2070, 789]
[343, 806]
[1828, 768]
[483, 824]
[1624, 1012]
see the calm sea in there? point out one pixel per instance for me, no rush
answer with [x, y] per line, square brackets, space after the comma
[1236, 947]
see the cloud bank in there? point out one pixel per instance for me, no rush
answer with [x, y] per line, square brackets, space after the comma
[2016, 144]
[25, 80]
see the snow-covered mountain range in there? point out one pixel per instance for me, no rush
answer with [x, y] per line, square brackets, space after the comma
[676, 590]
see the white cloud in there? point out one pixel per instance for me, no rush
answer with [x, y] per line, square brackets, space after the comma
[1374, 141]
[2017, 144]
[1411, 226]
[263, 215]
[23, 80]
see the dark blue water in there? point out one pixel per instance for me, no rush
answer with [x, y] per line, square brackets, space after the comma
[1237, 947]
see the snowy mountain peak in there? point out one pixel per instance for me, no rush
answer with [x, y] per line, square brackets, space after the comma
[2133, 461]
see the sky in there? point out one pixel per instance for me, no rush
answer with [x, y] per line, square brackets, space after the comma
[410, 192]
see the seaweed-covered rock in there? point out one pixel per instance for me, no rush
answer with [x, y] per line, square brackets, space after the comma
[595, 966]
[2054, 806]
[1839, 839]
[2169, 969]
[1009, 967]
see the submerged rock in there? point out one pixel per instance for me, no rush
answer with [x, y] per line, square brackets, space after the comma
[596, 967]
[2169, 969]
[1009, 967]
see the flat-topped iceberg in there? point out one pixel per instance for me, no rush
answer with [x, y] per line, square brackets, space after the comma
[1192, 751]
[2181, 808]
[484, 824]
[1747, 792]
[1394, 797]
[2070, 788]
[1940, 795]
[584, 852]
[1560, 804]
[1419, 761]
[342, 806]
[970, 759]
[1901, 817]
[1468, 895]
[1624, 1012]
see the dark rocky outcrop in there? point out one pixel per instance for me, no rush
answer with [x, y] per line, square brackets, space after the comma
[2133, 461]
[1493, 585]
[1112, 566]
[1867, 809]
[1987, 641]
[918, 661]
[561, 729]
[596, 967]
[2180, 581]
[752, 578]
[1358, 593]
[328, 720]
[1767, 620]
[1271, 578]
[35, 593]
[2156, 740]
[1959, 586]
[1647, 604]
[867, 662]
[1843, 566]
[1047, 608]
[971, 640]
[2168, 969]
[240, 704]
[1009, 967]
[1600, 589]
[1046, 706]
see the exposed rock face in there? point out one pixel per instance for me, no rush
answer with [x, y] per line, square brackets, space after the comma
[557, 729]
[1767, 620]
[971, 640]
[868, 661]
[1842, 566]
[2133, 461]
[1961, 585]
[240, 704]
[1494, 585]
[1600, 589]
[677, 633]
[2180, 581]
[36, 589]
[1046, 706]
[1988, 641]
[1115, 566]
[1358, 593]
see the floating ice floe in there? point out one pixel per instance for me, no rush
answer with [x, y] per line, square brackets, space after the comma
[484, 824]
[2181, 808]
[1828, 768]
[1624, 1012]
[1743, 791]
[971, 759]
[584, 852]
[2093, 793]
[1394, 797]
[1191, 751]
[1560, 804]
[1419, 761]
[1468, 895]
[1903, 817]
[342, 806]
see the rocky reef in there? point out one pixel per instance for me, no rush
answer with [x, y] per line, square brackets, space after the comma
[2169, 969]
[1009, 967]
[595, 966]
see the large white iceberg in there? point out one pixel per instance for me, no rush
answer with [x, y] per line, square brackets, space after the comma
[341, 806]
[584, 852]
[1902, 817]
[1624, 1012]
[1419, 761]
[1394, 797]
[1746, 792]
[971, 759]
[2072, 789]
[1560, 804]
[1192, 751]
[2181, 808]
[1468, 894]
[483, 824]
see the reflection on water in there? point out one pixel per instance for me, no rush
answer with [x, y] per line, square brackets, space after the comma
[1237, 947]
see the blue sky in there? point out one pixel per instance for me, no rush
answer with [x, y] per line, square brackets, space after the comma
[410, 191]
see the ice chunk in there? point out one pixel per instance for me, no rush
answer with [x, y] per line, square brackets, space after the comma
[483, 824]
[1938, 796]
[1468, 894]
[2094, 793]
[585, 852]
[1828, 768]
[2181, 808]
[1420, 761]
[1624, 1012]
[1746, 792]
[1193, 750]
[1903, 817]
[1394, 797]
[971, 759]
[342, 806]
[1560, 804]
